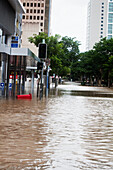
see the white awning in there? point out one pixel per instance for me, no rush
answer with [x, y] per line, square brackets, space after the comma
[23, 52]
[5, 49]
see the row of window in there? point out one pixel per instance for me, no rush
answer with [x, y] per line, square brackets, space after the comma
[102, 14]
[34, 11]
[110, 20]
[33, 17]
[33, 4]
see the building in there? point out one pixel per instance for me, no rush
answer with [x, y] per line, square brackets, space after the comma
[13, 58]
[99, 21]
[36, 19]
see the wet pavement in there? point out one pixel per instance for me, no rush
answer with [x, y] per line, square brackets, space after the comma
[71, 130]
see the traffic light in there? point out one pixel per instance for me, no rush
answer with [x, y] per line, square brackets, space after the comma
[39, 66]
[42, 50]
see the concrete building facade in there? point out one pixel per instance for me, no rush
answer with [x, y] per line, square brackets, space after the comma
[13, 58]
[99, 21]
[35, 20]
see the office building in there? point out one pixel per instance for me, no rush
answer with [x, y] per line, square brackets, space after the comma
[13, 58]
[35, 20]
[99, 21]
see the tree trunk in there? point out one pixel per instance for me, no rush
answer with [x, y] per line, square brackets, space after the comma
[109, 80]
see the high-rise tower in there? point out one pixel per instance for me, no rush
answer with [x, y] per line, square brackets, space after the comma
[37, 19]
[99, 21]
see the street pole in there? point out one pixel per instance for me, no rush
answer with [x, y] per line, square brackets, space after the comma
[41, 85]
[47, 82]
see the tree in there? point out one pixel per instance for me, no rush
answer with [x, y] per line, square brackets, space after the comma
[61, 51]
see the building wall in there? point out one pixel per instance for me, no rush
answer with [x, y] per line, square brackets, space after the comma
[37, 13]
[28, 29]
[7, 17]
[97, 22]
[47, 22]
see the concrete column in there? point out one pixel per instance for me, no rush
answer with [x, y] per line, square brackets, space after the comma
[4, 59]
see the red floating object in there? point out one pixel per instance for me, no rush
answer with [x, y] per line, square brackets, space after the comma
[24, 96]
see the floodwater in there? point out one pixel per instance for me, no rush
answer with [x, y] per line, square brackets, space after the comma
[68, 131]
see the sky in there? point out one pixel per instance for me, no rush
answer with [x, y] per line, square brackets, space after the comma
[69, 18]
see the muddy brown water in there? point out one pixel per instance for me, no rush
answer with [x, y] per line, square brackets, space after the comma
[68, 131]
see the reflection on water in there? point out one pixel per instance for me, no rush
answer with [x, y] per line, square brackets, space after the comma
[63, 132]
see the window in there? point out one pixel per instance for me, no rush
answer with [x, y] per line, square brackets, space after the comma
[101, 25]
[31, 4]
[102, 10]
[38, 17]
[24, 4]
[110, 26]
[101, 32]
[27, 4]
[34, 4]
[31, 10]
[34, 10]
[27, 10]
[102, 17]
[101, 28]
[34, 17]
[27, 17]
[102, 6]
[41, 24]
[102, 3]
[23, 16]
[42, 11]
[110, 7]
[41, 17]
[30, 17]
[109, 36]
[38, 4]
[101, 21]
[42, 4]
[38, 11]
[110, 17]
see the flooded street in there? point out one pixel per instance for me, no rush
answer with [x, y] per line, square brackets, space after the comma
[68, 131]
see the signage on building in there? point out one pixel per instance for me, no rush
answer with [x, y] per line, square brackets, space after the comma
[14, 42]
[1, 85]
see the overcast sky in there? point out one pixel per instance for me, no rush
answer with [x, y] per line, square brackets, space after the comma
[69, 18]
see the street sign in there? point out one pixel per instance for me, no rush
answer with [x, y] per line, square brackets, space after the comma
[2, 85]
[10, 85]
[14, 42]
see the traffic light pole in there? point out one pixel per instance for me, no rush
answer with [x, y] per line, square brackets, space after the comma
[41, 85]
[47, 82]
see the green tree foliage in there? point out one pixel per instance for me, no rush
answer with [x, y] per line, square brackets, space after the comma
[61, 51]
[97, 62]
